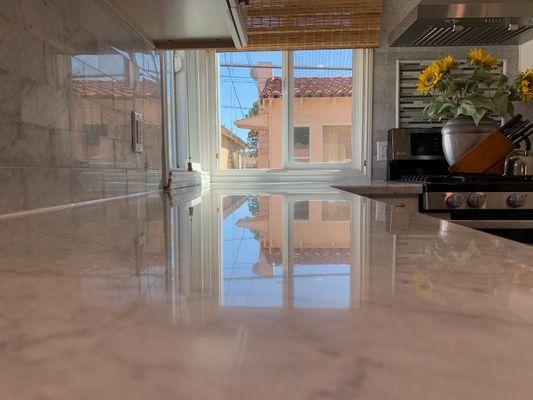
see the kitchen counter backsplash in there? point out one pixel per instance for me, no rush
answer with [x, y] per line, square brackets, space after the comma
[71, 72]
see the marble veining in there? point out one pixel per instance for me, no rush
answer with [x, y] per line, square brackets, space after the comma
[71, 72]
[258, 296]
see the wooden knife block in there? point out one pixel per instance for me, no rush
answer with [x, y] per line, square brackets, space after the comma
[488, 156]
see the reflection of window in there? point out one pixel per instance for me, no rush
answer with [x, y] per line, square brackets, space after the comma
[336, 143]
[335, 211]
[301, 210]
[301, 143]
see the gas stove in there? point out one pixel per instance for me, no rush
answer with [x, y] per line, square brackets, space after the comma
[445, 193]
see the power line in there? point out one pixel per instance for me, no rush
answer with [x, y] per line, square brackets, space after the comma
[234, 88]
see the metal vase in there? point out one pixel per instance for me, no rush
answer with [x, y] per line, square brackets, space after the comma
[460, 134]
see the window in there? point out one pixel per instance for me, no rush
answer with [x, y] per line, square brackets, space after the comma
[301, 210]
[322, 95]
[250, 110]
[318, 126]
[301, 143]
[336, 143]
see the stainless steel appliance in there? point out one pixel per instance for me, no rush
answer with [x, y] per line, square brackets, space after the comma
[465, 23]
[520, 162]
[491, 203]
[415, 151]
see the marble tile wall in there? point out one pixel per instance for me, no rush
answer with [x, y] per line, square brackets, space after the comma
[385, 59]
[71, 72]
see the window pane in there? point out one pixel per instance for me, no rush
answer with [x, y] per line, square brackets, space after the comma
[301, 143]
[322, 102]
[301, 210]
[337, 143]
[252, 235]
[250, 110]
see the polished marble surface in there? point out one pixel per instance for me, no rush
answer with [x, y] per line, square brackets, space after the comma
[258, 296]
[71, 72]
[387, 188]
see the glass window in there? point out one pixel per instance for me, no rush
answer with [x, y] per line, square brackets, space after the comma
[301, 143]
[335, 211]
[322, 101]
[301, 210]
[262, 129]
[250, 110]
[337, 143]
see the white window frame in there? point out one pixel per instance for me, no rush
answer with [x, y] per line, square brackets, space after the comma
[359, 169]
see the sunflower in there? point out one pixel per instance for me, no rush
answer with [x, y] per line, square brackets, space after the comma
[483, 59]
[525, 85]
[429, 78]
[447, 63]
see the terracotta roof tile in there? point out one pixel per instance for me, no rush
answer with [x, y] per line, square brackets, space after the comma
[104, 88]
[311, 87]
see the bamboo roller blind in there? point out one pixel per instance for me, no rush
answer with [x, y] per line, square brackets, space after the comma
[312, 24]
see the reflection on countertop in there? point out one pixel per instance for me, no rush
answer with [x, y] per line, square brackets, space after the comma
[259, 296]
[388, 188]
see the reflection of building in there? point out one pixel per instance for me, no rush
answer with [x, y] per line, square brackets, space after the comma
[232, 154]
[321, 232]
[322, 119]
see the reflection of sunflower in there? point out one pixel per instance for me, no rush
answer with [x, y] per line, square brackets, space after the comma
[429, 78]
[423, 284]
[483, 59]
[525, 85]
[447, 63]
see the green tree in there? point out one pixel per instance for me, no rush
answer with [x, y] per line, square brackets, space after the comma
[252, 141]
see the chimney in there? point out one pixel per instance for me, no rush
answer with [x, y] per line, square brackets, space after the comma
[261, 73]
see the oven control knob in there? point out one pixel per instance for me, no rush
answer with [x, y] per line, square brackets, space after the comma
[455, 200]
[517, 200]
[477, 200]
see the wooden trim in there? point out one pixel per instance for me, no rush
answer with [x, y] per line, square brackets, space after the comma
[183, 44]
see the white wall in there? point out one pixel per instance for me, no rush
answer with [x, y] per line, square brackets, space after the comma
[526, 56]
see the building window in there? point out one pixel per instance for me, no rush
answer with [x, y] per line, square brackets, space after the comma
[301, 143]
[301, 210]
[336, 143]
[335, 211]
[261, 128]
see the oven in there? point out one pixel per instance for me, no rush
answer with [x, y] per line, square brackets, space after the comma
[494, 204]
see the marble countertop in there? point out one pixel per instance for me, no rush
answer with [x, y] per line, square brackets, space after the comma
[258, 297]
[388, 188]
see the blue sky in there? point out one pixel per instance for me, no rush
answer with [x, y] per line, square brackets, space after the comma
[321, 286]
[238, 90]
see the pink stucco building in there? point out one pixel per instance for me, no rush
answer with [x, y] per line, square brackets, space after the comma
[322, 119]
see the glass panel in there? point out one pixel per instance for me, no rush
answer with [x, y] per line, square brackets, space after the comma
[337, 143]
[301, 210]
[252, 237]
[250, 110]
[301, 143]
[321, 255]
[323, 103]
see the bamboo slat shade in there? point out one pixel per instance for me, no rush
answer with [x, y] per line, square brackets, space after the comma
[312, 24]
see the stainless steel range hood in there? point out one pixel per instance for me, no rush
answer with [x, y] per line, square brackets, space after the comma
[465, 23]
